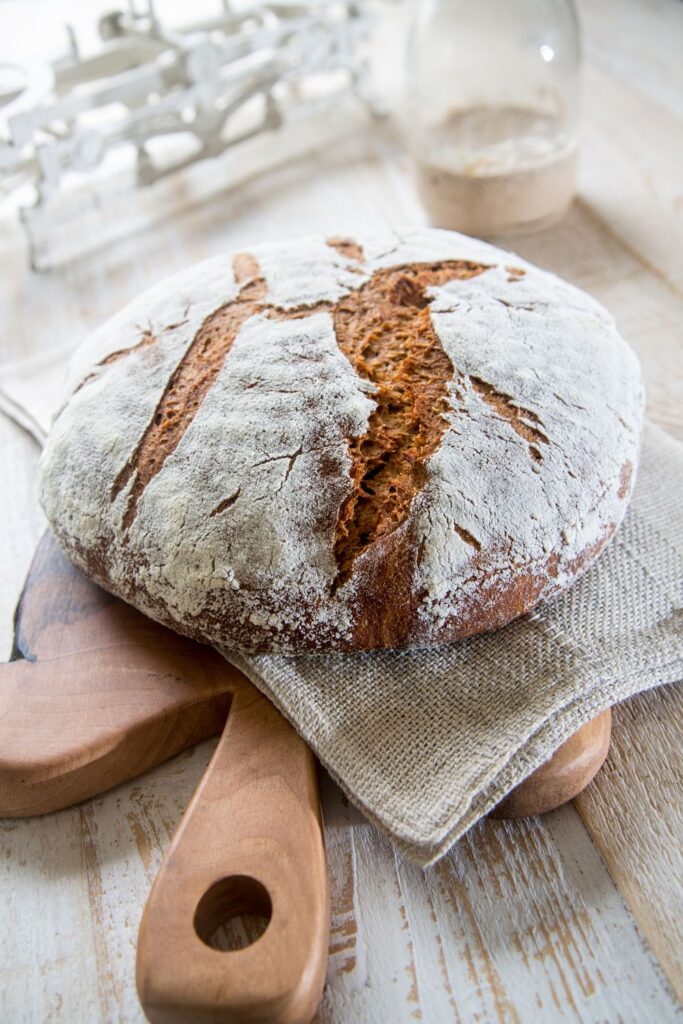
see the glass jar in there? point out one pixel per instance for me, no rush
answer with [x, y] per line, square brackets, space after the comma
[492, 96]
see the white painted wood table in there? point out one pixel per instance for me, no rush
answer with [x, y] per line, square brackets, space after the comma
[577, 916]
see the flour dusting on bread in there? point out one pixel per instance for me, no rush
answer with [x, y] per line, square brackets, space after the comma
[344, 444]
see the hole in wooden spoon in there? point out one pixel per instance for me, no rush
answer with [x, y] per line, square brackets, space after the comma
[233, 913]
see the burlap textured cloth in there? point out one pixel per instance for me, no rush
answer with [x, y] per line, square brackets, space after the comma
[426, 742]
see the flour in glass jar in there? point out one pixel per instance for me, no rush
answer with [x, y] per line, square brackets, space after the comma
[496, 170]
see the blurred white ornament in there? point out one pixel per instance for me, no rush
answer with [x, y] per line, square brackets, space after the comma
[156, 100]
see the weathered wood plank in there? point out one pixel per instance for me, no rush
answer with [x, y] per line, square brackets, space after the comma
[22, 521]
[634, 813]
[74, 885]
[48, 971]
[520, 922]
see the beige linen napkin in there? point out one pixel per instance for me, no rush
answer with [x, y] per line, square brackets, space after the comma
[428, 741]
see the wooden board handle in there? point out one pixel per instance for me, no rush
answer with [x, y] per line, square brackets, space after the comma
[250, 841]
[96, 693]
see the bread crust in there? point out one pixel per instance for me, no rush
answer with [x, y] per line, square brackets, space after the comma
[346, 444]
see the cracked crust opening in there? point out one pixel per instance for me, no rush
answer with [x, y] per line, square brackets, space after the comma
[386, 332]
[190, 384]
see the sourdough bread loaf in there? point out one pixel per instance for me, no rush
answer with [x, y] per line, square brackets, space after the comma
[345, 444]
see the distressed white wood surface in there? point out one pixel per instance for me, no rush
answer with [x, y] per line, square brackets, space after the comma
[636, 806]
[573, 917]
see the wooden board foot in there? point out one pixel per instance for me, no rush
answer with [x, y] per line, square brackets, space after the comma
[564, 775]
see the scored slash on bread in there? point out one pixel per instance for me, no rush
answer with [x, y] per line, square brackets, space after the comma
[345, 444]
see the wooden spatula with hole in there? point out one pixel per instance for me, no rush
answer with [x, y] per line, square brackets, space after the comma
[96, 694]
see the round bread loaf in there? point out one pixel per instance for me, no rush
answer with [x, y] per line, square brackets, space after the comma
[339, 445]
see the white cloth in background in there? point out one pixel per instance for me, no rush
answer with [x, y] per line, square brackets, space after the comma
[29, 390]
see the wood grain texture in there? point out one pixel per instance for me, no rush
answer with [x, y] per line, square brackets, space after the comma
[97, 694]
[520, 922]
[636, 804]
[250, 841]
[556, 926]
[619, 163]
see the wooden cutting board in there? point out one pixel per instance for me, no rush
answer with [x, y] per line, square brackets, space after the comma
[96, 694]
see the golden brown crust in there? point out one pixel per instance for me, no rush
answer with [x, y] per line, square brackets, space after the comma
[388, 607]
